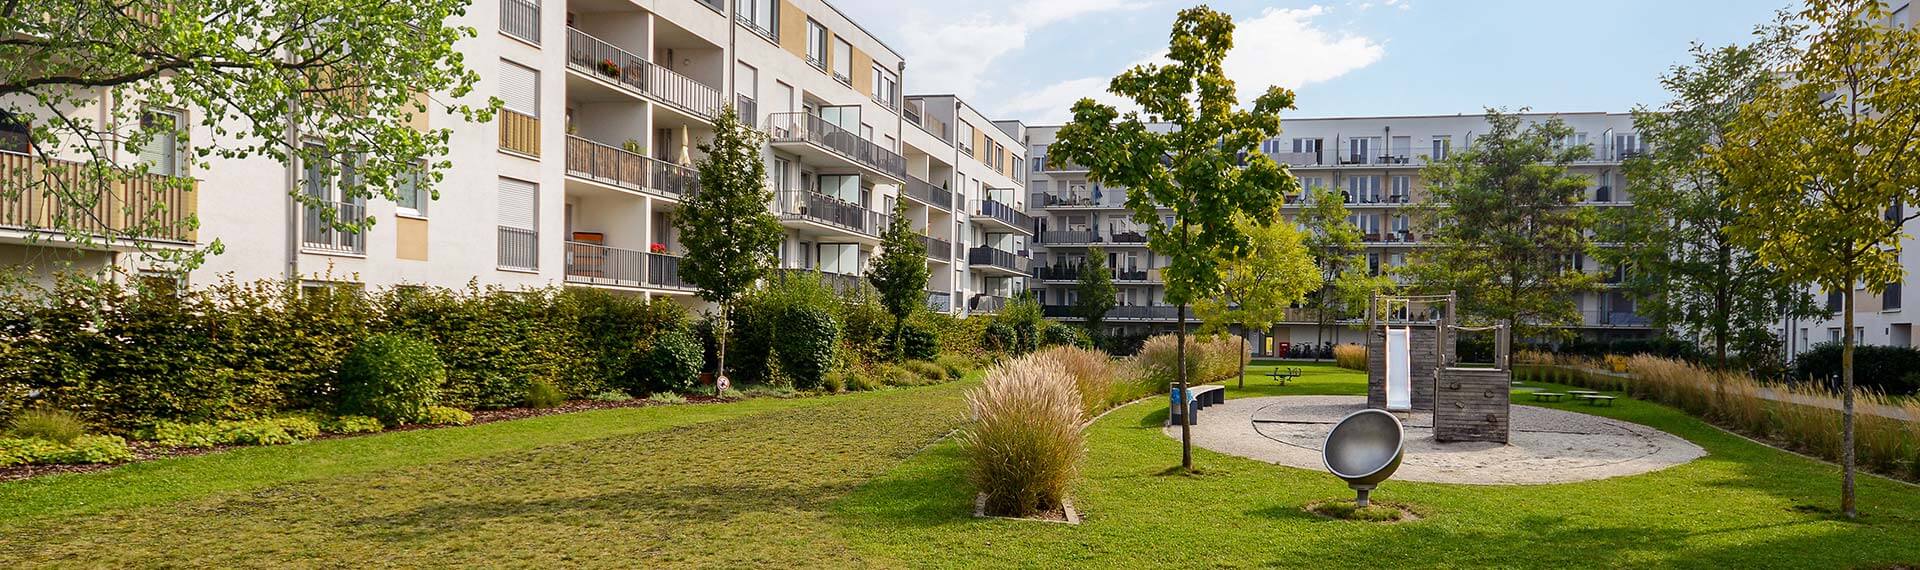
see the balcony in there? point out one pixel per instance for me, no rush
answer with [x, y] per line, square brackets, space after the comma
[1167, 313]
[915, 114]
[940, 301]
[937, 249]
[612, 166]
[1613, 319]
[1005, 217]
[1069, 237]
[596, 264]
[151, 207]
[1052, 165]
[813, 210]
[520, 133]
[1127, 237]
[840, 282]
[987, 303]
[518, 249]
[926, 193]
[1071, 273]
[318, 234]
[593, 57]
[995, 262]
[820, 142]
[520, 19]
[1077, 199]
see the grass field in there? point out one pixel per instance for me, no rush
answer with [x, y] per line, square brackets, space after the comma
[850, 481]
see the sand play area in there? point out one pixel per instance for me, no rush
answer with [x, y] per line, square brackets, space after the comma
[1548, 445]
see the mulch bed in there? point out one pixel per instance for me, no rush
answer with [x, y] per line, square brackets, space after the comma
[1065, 514]
[148, 451]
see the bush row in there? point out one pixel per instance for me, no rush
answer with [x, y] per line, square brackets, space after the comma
[1888, 369]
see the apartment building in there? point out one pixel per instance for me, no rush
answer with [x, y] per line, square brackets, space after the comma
[578, 179]
[1374, 162]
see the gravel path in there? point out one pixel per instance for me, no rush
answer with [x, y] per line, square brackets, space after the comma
[1548, 445]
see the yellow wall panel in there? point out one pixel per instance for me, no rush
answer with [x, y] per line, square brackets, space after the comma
[793, 29]
[410, 238]
[862, 72]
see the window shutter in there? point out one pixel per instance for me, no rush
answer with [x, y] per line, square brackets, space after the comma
[520, 88]
[519, 204]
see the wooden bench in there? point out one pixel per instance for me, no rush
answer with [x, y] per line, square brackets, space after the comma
[1199, 398]
[1596, 399]
[1548, 396]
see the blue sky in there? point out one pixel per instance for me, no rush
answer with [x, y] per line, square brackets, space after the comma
[1031, 60]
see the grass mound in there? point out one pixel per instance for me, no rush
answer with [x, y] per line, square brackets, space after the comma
[1376, 511]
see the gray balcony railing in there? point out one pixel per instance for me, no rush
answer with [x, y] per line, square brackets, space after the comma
[1128, 313]
[987, 256]
[595, 263]
[596, 57]
[664, 271]
[319, 234]
[618, 167]
[1611, 318]
[940, 301]
[1072, 273]
[1055, 165]
[840, 282]
[1005, 213]
[520, 19]
[518, 248]
[822, 208]
[809, 128]
[937, 248]
[987, 303]
[1077, 199]
[929, 194]
[1067, 237]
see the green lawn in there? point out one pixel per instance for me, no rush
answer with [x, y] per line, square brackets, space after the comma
[849, 481]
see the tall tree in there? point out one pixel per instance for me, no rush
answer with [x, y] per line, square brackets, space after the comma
[264, 77]
[731, 237]
[1506, 225]
[1346, 283]
[1205, 168]
[900, 272]
[1680, 262]
[1822, 159]
[1257, 288]
[1096, 293]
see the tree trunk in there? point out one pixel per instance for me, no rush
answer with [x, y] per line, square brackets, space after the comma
[1186, 415]
[720, 354]
[1846, 409]
[1722, 304]
[1243, 357]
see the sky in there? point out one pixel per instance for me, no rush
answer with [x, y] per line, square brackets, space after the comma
[1030, 60]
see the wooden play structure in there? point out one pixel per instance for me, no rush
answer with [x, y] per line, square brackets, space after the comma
[1413, 365]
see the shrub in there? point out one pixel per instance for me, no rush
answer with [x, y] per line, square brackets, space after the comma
[672, 364]
[805, 346]
[761, 319]
[866, 327]
[350, 425]
[834, 382]
[1024, 444]
[666, 398]
[58, 426]
[933, 373]
[610, 396]
[541, 394]
[918, 341]
[83, 449]
[612, 330]
[956, 366]
[1889, 369]
[1062, 334]
[1000, 337]
[1209, 359]
[390, 377]
[270, 431]
[445, 416]
[1350, 356]
[862, 382]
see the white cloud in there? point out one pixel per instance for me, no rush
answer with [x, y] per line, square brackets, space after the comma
[1279, 47]
[958, 56]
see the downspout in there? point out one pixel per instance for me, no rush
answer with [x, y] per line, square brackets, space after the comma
[293, 185]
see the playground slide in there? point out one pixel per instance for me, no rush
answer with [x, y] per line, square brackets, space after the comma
[1399, 384]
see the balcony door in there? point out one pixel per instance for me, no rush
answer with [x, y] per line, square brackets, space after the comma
[847, 117]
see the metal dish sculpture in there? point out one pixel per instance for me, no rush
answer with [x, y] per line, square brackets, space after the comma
[1364, 449]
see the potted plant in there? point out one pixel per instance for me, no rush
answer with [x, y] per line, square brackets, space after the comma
[657, 247]
[608, 67]
[632, 146]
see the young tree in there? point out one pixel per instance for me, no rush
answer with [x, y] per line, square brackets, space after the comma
[1683, 268]
[1205, 168]
[1506, 225]
[1257, 288]
[1096, 292]
[1345, 283]
[900, 272]
[730, 236]
[1823, 158]
[263, 76]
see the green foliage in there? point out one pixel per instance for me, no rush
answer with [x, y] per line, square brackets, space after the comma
[805, 345]
[445, 416]
[759, 320]
[1506, 223]
[890, 374]
[900, 272]
[933, 373]
[1888, 369]
[835, 382]
[729, 236]
[866, 329]
[494, 342]
[1017, 327]
[1339, 256]
[672, 364]
[58, 426]
[858, 382]
[610, 396]
[390, 377]
[614, 330]
[346, 425]
[1276, 273]
[1095, 289]
[83, 449]
[955, 365]
[268, 431]
[1056, 333]
[544, 395]
[1024, 445]
[666, 398]
[919, 341]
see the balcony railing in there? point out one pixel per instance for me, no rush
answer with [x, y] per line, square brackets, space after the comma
[937, 248]
[595, 263]
[518, 248]
[808, 128]
[1077, 199]
[151, 206]
[618, 167]
[317, 233]
[1052, 165]
[1065, 237]
[840, 282]
[596, 57]
[817, 207]
[1127, 236]
[987, 303]
[926, 193]
[987, 256]
[1127, 313]
[664, 271]
[1072, 273]
[520, 19]
[1609, 318]
[1004, 213]
[519, 132]
[940, 301]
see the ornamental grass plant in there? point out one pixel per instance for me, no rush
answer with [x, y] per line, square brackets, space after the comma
[1024, 445]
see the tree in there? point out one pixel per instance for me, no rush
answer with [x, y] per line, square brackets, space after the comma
[266, 77]
[1346, 285]
[1096, 292]
[730, 236]
[1506, 225]
[1676, 256]
[1821, 160]
[1205, 168]
[1257, 288]
[900, 273]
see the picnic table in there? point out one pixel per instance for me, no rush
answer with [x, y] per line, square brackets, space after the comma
[1597, 399]
[1548, 396]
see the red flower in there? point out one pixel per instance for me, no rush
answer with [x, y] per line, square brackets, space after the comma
[658, 248]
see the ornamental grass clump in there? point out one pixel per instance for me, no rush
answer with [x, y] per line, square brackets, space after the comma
[1024, 444]
[58, 426]
[1350, 356]
[1092, 372]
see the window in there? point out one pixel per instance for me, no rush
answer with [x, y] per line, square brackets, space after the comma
[325, 179]
[1019, 164]
[519, 88]
[1628, 145]
[519, 224]
[816, 44]
[1310, 146]
[1358, 149]
[1570, 141]
[842, 58]
[1890, 299]
[885, 87]
[1834, 301]
[1038, 162]
[841, 258]
[966, 138]
[1401, 190]
[1400, 148]
[759, 15]
[1442, 145]
[411, 194]
[161, 154]
[1363, 189]
[16, 133]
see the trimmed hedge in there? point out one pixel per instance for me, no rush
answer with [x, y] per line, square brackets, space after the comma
[672, 364]
[1889, 369]
[390, 377]
[805, 346]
